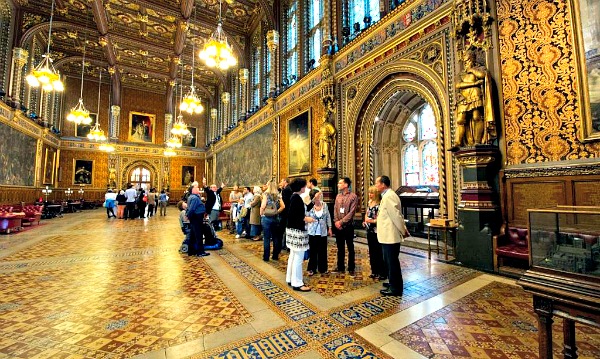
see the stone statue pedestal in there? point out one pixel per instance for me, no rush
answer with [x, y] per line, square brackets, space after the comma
[328, 185]
[479, 213]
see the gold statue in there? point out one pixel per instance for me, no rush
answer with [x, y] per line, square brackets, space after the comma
[327, 143]
[112, 178]
[474, 114]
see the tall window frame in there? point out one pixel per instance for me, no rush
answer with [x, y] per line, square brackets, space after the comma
[256, 72]
[419, 158]
[292, 49]
[315, 31]
[359, 9]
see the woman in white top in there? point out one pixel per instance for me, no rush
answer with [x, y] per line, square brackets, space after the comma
[110, 202]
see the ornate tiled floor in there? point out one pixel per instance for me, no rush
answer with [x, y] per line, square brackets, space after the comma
[83, 286]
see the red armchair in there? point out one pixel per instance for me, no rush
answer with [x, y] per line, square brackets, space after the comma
[513, 243]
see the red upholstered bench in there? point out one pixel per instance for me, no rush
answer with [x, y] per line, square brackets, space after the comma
[10, 221]
[512, 242]
[225, 214]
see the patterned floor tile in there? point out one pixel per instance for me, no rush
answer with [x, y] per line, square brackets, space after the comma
[496, 321]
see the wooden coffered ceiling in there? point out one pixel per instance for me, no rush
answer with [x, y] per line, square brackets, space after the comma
[143, 41]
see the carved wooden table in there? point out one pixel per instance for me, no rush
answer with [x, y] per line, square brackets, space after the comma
[573, 297]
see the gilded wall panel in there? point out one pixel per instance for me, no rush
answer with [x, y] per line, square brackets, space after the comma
[539, 83]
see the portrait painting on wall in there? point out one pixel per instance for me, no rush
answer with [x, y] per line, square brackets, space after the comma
[190, 140]
[83, 171]
[589, 47]
[188, 173]
[82, 130]
[299, 144]
[49, 165]
[249, 161]
[141, 127]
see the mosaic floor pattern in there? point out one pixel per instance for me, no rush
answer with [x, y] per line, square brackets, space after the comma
[496, 321]
[83, 286]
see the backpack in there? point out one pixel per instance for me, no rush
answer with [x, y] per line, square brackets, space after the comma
[272, 206]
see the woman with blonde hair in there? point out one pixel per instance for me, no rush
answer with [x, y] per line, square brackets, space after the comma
[378, 270]
[255, 227]
[270, 208]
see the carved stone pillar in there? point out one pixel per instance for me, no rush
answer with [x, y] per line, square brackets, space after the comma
[19, 60]
[273, 45]
[226, 98]
[168, 126]
[115, 118]
[243, 75]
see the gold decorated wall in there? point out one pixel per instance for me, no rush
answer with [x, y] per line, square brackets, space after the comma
[542, 113]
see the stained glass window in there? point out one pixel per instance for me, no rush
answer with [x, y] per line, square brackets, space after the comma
[420, 154]
[256, 76]
[291, 50]
[359, 9]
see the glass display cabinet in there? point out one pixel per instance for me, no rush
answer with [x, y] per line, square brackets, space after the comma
[564, 274]
[566, 238]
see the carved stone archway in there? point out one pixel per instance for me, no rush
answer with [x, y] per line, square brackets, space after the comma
[129, 167]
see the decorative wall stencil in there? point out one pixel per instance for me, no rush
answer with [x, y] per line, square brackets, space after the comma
[17, 157]
[247, 162]
[542, 113]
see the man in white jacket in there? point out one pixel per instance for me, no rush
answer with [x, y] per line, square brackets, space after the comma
[391, 231]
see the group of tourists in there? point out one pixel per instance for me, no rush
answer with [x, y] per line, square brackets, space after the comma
[135, 203]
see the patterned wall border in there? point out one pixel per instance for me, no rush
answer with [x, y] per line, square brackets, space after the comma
[553, 171]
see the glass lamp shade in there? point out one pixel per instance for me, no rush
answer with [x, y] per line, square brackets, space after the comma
[217, 52]
[46, 76]
[79, 114]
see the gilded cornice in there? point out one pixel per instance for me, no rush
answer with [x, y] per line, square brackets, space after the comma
[21, 123]
[538, 170]
[128, 149]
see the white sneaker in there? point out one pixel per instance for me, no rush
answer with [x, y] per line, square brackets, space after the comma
[237, 236]
[244, 234]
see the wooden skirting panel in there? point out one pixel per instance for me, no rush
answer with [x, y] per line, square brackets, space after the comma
[526, 189]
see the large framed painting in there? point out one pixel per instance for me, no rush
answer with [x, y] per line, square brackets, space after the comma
[141, 127]
[190, 140]
[587, 23]
[188, 175]
[82, 130]
[83, 171]
[49, 165]
[299, 144]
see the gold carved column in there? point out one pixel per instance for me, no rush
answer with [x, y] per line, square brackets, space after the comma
[20, 57]
[243, 75]
[226, 98]
[273, 45]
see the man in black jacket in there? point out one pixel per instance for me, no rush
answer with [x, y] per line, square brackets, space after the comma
[214, 202]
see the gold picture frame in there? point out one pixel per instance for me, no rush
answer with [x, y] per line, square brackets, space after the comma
[299, 144]
[49, 166]
[142, 127]
[188, 175]
[586, 20]
[83, 172]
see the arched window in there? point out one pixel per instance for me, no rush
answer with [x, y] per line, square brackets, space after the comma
[419, 153]
[140, 176]
[359, 9]
[292, 47]
[315, 20]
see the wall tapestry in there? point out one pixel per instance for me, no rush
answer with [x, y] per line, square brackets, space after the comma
[247, 162]
[141, 127]
[17, 157]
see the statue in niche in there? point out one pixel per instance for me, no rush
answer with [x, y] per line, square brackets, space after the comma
[112, 178]
[474, 113]
[327, 133]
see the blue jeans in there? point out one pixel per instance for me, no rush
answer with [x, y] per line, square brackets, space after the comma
[271, 234]
[240, 225]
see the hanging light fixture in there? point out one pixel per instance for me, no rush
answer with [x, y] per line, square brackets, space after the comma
[179, 127]
[96, 134]
[191, 102]
[79, 114]
[44, 73]
[216, 51]
[169, 152]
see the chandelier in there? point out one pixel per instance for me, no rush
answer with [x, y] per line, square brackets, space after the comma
[191, 103]
[79, 114]
[179, 127]
[44, 73]
[216, 51]
[96, 134]
[174, 142]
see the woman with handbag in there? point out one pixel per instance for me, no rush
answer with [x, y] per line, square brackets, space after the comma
[296, 234]
[317, 236]
[270, 208]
